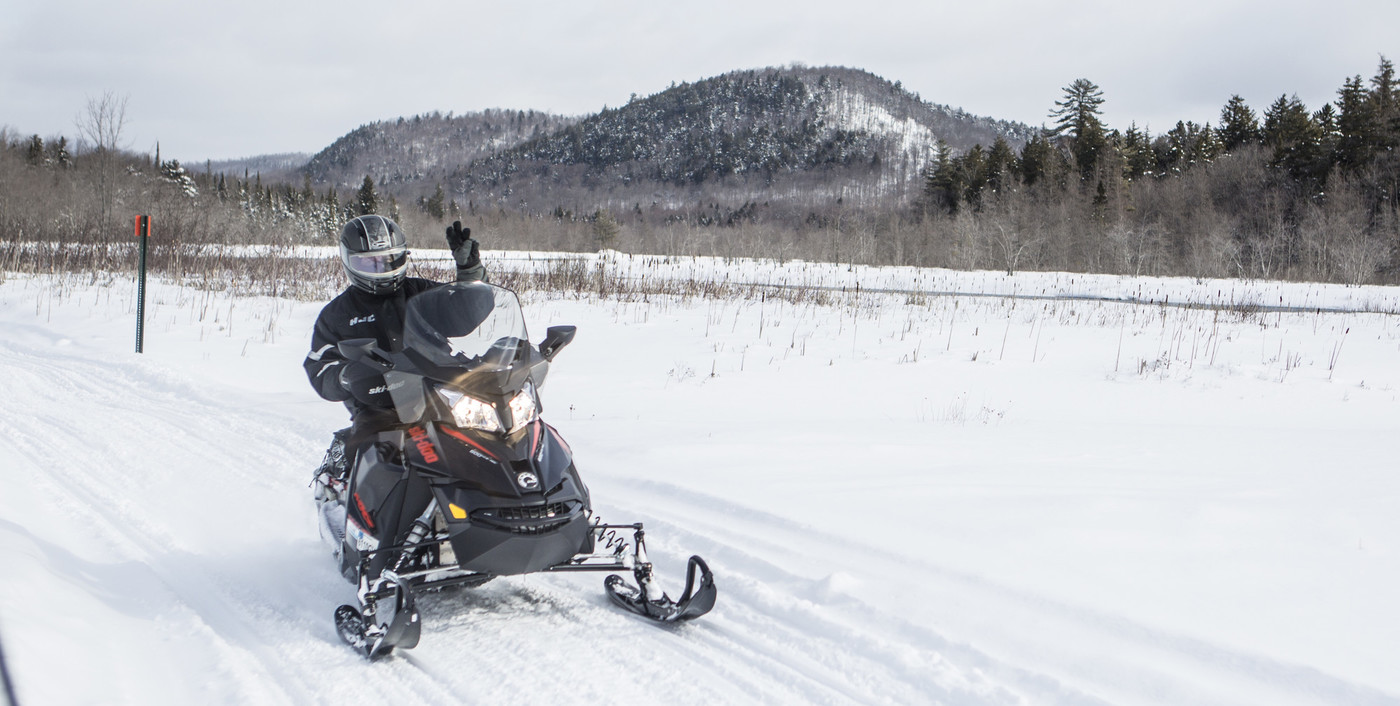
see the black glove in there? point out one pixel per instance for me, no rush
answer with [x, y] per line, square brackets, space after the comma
[465, 250]
[366, 385]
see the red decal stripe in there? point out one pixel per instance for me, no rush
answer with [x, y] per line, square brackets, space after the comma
[561, 441]
[464, 439]
[535, 436]
[363, 512]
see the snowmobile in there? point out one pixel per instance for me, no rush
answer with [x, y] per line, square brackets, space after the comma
[472, 484]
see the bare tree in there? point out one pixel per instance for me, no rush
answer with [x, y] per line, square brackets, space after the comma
[101, 124]
[1337, 236]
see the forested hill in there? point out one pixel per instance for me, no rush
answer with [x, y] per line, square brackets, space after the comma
[795, 134]
[756, 131]
[408, 153]
[285, 166]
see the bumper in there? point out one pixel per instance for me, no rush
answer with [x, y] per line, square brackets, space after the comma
[493, 550]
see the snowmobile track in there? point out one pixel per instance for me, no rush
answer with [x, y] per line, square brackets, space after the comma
[719, 529]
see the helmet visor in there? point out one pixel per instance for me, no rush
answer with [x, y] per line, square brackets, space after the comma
[377, 262]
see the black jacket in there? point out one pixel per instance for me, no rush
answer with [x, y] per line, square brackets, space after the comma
[356, 313]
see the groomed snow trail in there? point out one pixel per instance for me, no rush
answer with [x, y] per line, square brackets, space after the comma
[158, 535]
[165, 542]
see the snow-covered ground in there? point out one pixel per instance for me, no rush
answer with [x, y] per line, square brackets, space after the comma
[905, 499]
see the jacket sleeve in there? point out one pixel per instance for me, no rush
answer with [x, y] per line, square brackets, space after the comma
[475, 273]
[324, 362]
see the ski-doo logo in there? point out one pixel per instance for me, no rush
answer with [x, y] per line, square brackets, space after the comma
[356, 321]
[528, 480]
[386, 388]
[425, 447]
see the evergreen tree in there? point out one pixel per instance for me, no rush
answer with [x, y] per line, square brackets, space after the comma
[1000, 162]
[1289, 130]
[1329, 135]
[1238, 124]
[1036, 159]
[1078, 115]
[1186, 146]
[34, 153]
[434, 204]
[1138, 158]
[366, 201]
[1209, 145]
[1171, 149]
[941, 182]
[58, 153]
[1385, 102]
[1357, 128]
[605, 229]
[173, 172]
[1100, 202]
[972, 171]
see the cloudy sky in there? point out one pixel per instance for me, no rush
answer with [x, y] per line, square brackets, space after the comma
[234, 79]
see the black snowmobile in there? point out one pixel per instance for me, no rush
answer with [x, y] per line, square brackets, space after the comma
[472, 484]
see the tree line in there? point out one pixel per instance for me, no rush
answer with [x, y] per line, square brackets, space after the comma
[1294, 192]
[1291, 192]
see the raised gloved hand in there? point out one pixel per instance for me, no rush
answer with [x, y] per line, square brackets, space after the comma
[465, 250]
[366, 385]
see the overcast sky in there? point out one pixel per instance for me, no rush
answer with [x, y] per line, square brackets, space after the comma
[236, 79]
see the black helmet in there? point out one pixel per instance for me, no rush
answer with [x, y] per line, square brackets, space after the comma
[375, 254]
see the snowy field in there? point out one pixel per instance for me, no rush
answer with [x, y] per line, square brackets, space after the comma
[905, 499]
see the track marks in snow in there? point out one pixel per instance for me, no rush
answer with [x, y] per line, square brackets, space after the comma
[164, 490]
[1025, 643]
[181, 509]
[251, 604]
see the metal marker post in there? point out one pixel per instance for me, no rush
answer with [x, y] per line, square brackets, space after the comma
[143, 233]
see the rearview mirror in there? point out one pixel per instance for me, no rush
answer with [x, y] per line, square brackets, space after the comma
[363, 350]
[555, 338]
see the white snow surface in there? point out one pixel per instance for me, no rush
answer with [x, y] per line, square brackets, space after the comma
[939, 499]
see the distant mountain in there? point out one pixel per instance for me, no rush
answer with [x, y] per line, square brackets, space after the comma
[284, 166]
[414, 153]
[791, 136]
[794, 133]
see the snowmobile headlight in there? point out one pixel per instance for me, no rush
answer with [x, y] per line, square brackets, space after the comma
[469, 412]
[524, 407]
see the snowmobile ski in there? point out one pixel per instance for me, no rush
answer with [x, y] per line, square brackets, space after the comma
[696, 601]
[361, 630]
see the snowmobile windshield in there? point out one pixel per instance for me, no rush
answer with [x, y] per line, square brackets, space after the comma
[471, 325]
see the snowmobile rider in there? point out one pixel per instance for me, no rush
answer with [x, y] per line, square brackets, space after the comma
[374, 253]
